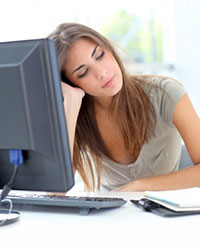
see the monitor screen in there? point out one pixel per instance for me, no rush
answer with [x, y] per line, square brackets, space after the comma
[32, 117]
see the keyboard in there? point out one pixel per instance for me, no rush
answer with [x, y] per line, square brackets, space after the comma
[84, 203]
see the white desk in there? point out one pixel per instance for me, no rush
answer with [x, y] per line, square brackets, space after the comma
[119, 228]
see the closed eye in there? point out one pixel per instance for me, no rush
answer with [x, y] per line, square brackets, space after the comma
[84, 74]
[100, 56]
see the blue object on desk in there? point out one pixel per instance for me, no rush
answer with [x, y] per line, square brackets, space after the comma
[16, 157]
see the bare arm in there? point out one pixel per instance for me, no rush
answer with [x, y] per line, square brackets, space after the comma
[72, 103]
[188, 124]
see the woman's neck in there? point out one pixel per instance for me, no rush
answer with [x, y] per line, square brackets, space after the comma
[102, 105]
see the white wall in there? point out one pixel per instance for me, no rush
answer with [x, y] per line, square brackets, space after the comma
[27, 19]
[187, 46]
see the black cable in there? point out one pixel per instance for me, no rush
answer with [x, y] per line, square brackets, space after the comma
[6, 189]
[16, 158]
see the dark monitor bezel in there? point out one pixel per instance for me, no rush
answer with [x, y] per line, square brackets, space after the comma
[43, 170]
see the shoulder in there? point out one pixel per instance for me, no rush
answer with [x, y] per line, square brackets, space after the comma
[164, 93]
[161, 85]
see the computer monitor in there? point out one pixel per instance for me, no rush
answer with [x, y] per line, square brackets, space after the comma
[32, 117]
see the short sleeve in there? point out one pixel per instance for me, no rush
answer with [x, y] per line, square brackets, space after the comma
[164, 94]
[170, 93]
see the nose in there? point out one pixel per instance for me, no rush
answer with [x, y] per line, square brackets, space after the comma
[101, 72]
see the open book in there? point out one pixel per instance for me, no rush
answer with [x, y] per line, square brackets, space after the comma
[177, 200]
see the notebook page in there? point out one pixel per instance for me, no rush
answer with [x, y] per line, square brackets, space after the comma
[183, 197]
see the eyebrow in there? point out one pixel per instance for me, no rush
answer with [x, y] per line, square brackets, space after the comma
[94, 51]
[81, 66]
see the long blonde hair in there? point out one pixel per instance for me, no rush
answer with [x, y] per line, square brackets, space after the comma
[131, 108]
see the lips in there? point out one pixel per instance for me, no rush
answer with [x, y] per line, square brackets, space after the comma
[108, 83]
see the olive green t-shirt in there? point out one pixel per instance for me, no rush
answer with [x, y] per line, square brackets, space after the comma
[161, 154]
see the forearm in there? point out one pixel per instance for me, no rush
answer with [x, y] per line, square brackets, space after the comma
[186, 178]
[72, 104]
[71, 119]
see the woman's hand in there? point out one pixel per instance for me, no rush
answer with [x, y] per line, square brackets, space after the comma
[72, 103]
[70, 93]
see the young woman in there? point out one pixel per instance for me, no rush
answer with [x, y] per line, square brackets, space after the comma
[124, 130]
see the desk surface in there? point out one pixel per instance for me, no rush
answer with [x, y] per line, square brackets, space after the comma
[127, 226]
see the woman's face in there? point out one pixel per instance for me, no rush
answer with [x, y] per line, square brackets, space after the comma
[93, 69]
